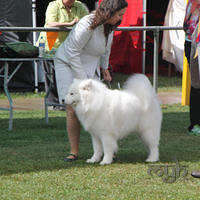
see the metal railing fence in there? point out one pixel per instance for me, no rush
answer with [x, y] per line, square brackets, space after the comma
[155, 29]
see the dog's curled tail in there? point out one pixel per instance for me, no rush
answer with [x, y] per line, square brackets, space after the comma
[139, 85]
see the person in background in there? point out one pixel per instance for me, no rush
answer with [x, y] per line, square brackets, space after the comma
[59, 13]
[196, 174]
[191, 28]
[190, 23]
[62, 13]
[80, 56]
[195, 74]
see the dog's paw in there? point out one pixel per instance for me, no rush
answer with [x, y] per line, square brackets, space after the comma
[153, 157]
[92, 160]
[152, 160]
[106, 162]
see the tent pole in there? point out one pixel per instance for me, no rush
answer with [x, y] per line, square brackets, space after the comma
[144, 36]
[96, 4]
[155, 59]
[34, 42]
[34, 19]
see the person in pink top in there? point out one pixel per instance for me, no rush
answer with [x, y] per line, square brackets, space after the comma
[190, 22]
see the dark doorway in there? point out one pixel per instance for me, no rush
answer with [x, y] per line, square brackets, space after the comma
[156, 10]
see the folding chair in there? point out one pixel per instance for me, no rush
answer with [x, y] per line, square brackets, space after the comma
[51, 96]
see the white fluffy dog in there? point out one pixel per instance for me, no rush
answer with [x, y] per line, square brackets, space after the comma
[109, 115]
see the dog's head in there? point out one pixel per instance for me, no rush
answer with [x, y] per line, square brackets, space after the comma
[73, 96]
[78, 91]
[85, 93]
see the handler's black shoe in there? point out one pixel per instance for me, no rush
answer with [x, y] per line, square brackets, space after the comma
[72, 157]
[196, 174]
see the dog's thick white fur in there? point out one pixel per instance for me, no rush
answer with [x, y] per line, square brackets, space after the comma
[109, 115]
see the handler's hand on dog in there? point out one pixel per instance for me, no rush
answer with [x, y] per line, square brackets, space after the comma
[106, 75]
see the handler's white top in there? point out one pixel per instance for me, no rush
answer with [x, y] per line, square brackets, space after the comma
[81, 54]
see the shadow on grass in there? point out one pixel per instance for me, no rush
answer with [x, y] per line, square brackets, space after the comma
[35, 146]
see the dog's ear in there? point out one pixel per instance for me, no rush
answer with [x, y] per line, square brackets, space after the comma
[87, 85]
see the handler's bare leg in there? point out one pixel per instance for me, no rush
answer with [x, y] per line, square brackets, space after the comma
[73, 130]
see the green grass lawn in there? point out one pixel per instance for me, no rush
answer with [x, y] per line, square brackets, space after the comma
[32, 167]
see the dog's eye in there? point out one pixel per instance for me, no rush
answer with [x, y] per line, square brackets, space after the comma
[71, 93]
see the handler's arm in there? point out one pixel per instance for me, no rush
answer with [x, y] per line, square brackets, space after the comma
[104, 60]
[80, 36]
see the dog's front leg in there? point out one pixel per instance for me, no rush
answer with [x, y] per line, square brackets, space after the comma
[110, 147]
[97, 148]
